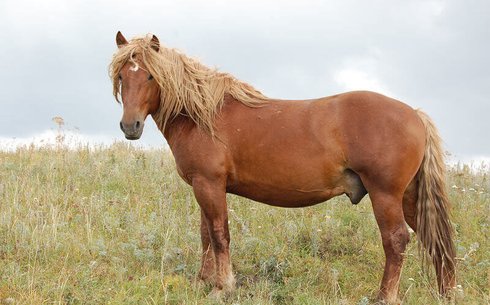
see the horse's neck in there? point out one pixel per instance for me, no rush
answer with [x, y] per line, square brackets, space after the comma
[175, 128]
[178, 128]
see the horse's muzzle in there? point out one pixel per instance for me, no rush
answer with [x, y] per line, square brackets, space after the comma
[132, 131]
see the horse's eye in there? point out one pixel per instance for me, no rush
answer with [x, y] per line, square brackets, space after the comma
[150, 77]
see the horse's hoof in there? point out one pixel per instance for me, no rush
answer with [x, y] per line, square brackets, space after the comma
[217, 295]
[386, 302]
[208, 279]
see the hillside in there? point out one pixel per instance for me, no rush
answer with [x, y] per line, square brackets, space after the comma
[116, 225]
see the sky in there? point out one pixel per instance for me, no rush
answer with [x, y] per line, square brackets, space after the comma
[433, 55]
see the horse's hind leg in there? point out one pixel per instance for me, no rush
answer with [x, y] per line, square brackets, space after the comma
[394, 234]
[410, 204]
[207, 270]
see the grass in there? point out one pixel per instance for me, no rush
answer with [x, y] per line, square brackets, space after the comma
[116, 225]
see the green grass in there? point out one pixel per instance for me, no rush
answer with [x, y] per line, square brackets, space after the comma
[117, 225]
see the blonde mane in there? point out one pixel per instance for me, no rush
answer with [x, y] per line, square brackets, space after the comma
[186, 86]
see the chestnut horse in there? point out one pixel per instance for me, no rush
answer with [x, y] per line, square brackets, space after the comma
[227, 137]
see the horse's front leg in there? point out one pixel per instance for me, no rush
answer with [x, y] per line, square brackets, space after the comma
[207, 270]
[211, 196]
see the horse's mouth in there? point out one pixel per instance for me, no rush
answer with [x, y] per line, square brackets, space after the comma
[131, 137]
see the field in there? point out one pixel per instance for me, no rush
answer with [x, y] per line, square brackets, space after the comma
[116, 225]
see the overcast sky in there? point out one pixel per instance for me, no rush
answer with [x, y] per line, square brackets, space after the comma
[433, 55]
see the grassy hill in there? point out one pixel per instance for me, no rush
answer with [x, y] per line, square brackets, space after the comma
[116, 225]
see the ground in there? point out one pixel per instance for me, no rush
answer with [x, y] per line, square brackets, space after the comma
[116, 225]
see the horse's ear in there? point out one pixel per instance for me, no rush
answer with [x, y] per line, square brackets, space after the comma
[120, 40]
[155, 43]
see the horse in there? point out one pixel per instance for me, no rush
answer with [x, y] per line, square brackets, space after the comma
[227, 137]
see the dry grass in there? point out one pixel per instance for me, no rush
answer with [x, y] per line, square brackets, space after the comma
[116, 225]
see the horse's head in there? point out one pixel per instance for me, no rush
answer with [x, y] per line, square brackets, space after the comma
[140, 94]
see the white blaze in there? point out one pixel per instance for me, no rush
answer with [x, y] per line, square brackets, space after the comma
[134, 68]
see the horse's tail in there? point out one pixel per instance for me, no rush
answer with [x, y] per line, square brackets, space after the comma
[434, 229]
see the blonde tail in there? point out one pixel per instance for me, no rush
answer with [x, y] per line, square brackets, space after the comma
[434, 229]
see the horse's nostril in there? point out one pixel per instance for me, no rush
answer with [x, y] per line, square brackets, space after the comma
[121, 125]
[137, 124]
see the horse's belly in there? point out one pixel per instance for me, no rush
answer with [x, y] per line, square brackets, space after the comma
[286, 198]
[292, 192]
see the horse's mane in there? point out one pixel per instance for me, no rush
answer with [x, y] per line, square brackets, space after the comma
[186, 86]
